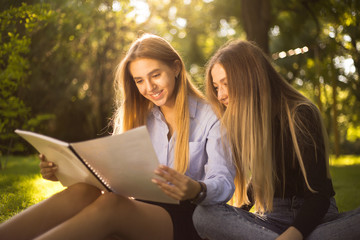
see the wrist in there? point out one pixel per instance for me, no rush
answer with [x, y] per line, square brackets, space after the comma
[201, 194]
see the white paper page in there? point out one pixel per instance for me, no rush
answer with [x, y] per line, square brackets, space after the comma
[70, 169]
[127, 162]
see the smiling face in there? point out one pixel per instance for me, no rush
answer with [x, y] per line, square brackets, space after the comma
[220, 83]
[155, 80]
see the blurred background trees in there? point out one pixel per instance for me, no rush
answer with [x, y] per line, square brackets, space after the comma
[57, 58]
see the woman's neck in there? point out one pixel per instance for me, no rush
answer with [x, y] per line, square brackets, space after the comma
[169, 114]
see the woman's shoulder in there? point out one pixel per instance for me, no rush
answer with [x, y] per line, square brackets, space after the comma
[307, 112]
[200, 108]
[305, 108]
[203, 120]
[308, 120]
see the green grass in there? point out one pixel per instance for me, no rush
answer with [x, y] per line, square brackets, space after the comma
[345, 172]
[21, 184]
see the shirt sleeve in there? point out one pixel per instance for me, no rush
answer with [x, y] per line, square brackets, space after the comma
[312, 148]
[219, 170]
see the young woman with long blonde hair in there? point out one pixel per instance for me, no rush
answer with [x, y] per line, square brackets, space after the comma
[280, 151]
[152, 89]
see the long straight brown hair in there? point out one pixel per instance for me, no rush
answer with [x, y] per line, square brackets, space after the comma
[257, 93]
[132, 108]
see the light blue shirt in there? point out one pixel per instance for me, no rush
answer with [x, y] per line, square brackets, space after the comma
[208, 160]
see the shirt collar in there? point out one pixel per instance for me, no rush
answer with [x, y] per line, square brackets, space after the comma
[157, 113]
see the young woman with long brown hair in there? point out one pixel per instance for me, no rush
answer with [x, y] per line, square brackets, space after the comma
[280, 151]
[152, 89]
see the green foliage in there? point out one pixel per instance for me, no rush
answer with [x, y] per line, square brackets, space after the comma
[353, 133]
[17, 26]
[73, 60]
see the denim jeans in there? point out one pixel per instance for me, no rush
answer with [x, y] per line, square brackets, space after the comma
[223, 222]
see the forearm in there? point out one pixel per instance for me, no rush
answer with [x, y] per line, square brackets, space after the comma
[291, 233]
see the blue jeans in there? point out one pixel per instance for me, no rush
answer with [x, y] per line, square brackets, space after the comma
[223, 222]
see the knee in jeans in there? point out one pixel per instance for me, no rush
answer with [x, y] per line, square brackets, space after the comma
[200, 218]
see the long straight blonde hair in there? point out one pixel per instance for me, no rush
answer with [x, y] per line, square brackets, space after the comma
[257, 96]
[132, 108]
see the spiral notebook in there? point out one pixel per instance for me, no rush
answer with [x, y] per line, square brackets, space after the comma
[123, 163]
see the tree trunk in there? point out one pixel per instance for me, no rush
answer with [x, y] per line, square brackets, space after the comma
[335, 112]
[318, 83]
[256, 16]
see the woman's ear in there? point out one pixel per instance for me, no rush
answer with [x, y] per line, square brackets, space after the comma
[177, 68]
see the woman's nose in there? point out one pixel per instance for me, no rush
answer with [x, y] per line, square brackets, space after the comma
[222, 94]
[150, 85]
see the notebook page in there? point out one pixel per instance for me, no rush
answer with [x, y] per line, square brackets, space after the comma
[70, 169]
[126, 162]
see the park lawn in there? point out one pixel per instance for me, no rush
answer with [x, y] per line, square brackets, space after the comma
[21, 184]
[345, 172]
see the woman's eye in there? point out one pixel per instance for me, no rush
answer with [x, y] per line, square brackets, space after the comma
[138, 81]
[156, 75]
